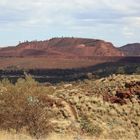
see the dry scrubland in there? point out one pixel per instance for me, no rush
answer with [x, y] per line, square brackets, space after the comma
[82, 110]
[46, 62]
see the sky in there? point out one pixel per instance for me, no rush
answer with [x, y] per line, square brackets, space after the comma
[116, 21]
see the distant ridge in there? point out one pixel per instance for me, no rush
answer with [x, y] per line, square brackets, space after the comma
[131, 49]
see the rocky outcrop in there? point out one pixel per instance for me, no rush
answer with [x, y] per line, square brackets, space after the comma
[132, 90]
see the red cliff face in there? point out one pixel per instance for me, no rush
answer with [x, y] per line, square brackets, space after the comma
[63, 47]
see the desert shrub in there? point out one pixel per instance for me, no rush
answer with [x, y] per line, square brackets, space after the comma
[21, 107]
[120, 70]
[138, 70]
[90, 127]
[37, 120]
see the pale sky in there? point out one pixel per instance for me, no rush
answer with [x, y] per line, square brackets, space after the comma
[117, 21]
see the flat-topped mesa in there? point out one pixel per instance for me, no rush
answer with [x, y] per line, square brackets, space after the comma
[85, 47]
[63, 47]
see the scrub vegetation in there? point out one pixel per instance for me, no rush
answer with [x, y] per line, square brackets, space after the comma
[106, 108]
